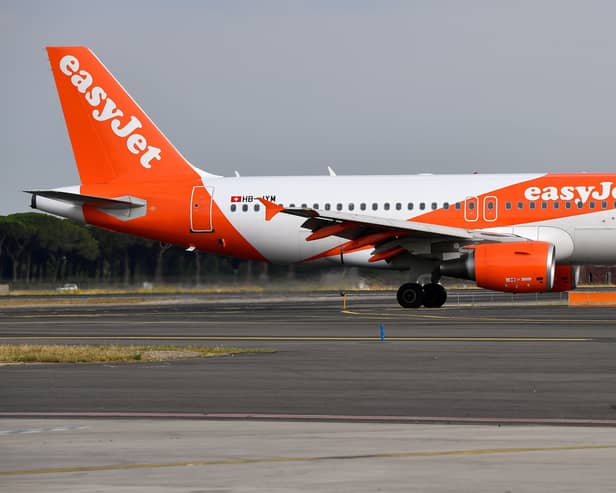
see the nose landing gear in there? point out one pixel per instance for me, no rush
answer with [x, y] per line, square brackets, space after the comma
[413, 295]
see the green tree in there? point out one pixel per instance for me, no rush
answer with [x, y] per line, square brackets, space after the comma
[15, 235]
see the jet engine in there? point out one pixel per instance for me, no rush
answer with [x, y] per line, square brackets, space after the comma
[566, 277]
[520, 267]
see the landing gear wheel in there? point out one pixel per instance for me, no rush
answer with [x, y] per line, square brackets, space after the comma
[410, 295]
[434, 295]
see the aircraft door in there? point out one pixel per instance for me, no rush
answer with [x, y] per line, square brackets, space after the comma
[201, 210]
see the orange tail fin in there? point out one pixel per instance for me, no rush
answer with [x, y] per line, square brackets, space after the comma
[112, 137]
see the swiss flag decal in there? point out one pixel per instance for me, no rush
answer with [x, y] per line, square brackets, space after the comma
[236, 198]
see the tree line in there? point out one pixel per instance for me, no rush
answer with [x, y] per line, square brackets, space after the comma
[38, 250]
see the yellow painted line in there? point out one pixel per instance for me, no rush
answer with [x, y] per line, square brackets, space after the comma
[153, 322]
[303, 338]
[366, 315]
[266, 460]
[478, 319]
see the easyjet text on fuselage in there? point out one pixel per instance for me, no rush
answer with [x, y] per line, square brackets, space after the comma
[581, 193]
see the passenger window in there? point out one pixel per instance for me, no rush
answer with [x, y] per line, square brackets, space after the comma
[532, 205]
[315, 206]
[245, 207]
[304, 206]
[233, 207]
[386, 206]
[328, 207]
[556, 205]
[446, 205]
[458, 206]
[544, 205]
[257, 207]
[580, 205]
[604, 204]
[434, 206]
[508, 205]
[490, 205]
[409, 206]
[520, 205]
[351, 206]
[567, 205]
[339, 207]
[398, 206]
[375, 206]
[422, 206]
[471, 205]
[592, 205]
[362, 206]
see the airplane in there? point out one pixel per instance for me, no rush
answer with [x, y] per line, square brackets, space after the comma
[518, 233]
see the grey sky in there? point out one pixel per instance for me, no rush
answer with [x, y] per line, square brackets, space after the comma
[290, 87]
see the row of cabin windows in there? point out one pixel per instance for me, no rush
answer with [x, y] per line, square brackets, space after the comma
[434, 205]
[351, 206]
[556, 205]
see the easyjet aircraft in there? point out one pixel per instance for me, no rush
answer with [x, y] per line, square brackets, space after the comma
[508, 232]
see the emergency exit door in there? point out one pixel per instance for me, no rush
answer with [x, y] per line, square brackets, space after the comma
[201, 202]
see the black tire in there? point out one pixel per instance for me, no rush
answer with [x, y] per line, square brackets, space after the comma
[410, 295]
[435, 295]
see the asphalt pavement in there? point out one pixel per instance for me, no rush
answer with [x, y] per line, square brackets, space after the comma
[523, 361]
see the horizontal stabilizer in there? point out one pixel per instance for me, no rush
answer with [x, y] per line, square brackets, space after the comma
[68, 203]
[77, 198]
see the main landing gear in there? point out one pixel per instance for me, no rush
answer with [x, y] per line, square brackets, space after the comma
[413, 295]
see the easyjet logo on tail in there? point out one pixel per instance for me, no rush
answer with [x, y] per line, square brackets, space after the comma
[106, 110]
[604, 191]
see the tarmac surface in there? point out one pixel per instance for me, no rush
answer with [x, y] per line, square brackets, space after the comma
[509, 396]
[489, 361]
[211, 456]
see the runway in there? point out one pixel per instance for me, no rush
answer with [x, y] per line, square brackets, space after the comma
[493, 362]
[332, 409]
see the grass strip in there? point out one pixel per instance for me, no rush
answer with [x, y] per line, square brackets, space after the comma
[60, 353]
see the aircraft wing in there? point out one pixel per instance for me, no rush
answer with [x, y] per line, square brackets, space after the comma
[389, 237]
[325, 218]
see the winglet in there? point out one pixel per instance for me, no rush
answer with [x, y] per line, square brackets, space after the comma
[271, 209]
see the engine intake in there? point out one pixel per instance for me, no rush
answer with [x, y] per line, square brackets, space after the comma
[521, 267]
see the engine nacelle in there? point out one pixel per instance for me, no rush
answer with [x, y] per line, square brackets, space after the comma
[521, 267]
[566, 277]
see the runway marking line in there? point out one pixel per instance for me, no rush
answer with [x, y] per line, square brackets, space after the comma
[473, 319]
[303, 338]
[387, 313]
[266, 460]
